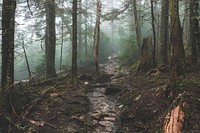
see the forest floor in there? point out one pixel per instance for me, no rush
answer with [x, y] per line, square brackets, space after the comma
[120, 100]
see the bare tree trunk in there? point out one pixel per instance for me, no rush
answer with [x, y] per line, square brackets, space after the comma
[50, 39]
[194, 29]
[26, 58]
[164, 32]
[80, 47]
[86, 29]
[186, 23]
[137, 26]
[74, 43]
[154, 36]
[176, 40]
[8, 28]
[62, 38]
[97, 37]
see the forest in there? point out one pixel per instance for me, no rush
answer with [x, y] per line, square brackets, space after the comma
[100, 66]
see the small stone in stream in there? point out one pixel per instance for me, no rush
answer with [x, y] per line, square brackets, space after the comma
[112, 89]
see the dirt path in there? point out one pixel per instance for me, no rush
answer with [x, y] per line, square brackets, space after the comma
[104, 108]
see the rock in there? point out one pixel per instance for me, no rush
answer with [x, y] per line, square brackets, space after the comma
[104, 78]
[112, 89]
[110, 119]
[85, 77]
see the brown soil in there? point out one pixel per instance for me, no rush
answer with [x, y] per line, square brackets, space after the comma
[55, 106]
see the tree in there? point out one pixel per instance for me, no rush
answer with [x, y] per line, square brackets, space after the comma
[164, 32]
[176, 41]
[194, 29]
[8, 28]
[50, 39]
[154, 35]
[137, 25]
[74, 42]
[97, 37]
[86, 29]
[79, 26]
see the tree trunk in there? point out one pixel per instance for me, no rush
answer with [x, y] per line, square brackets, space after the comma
[176, 40]
[80, 47]
[74, 43]
[164, 32]
[8, 28]
[154, 35]
[26, 58]
[62, 37]
[137, 25]
[194, 29]
[97, 37]
[50, 39]
[186, 24]
[86, 34]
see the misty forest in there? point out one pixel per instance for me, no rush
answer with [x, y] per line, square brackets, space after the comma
[100, 66]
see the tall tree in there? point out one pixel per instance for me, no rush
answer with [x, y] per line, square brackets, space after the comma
[97, 37]
[50, 39]
[86, 29]
[194, 29]
[74, 42]
[176, 40]
[137, 25]
[80, 47]
[154, 35]
[8, 28]
[164, 32]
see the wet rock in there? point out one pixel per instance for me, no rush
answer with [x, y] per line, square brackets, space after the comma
[112, 89]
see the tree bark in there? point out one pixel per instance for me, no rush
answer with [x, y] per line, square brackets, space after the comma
[97, 37]
[8, 29]
[50, 39]
[74, 43]
[154, 35]
[176, 40]
[26, 58]
[137, 25]
[80, 46]
[194, 29]
[164, 32]
[86, 30]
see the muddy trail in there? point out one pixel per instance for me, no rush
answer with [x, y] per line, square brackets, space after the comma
[104, 108]
[119, 100]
